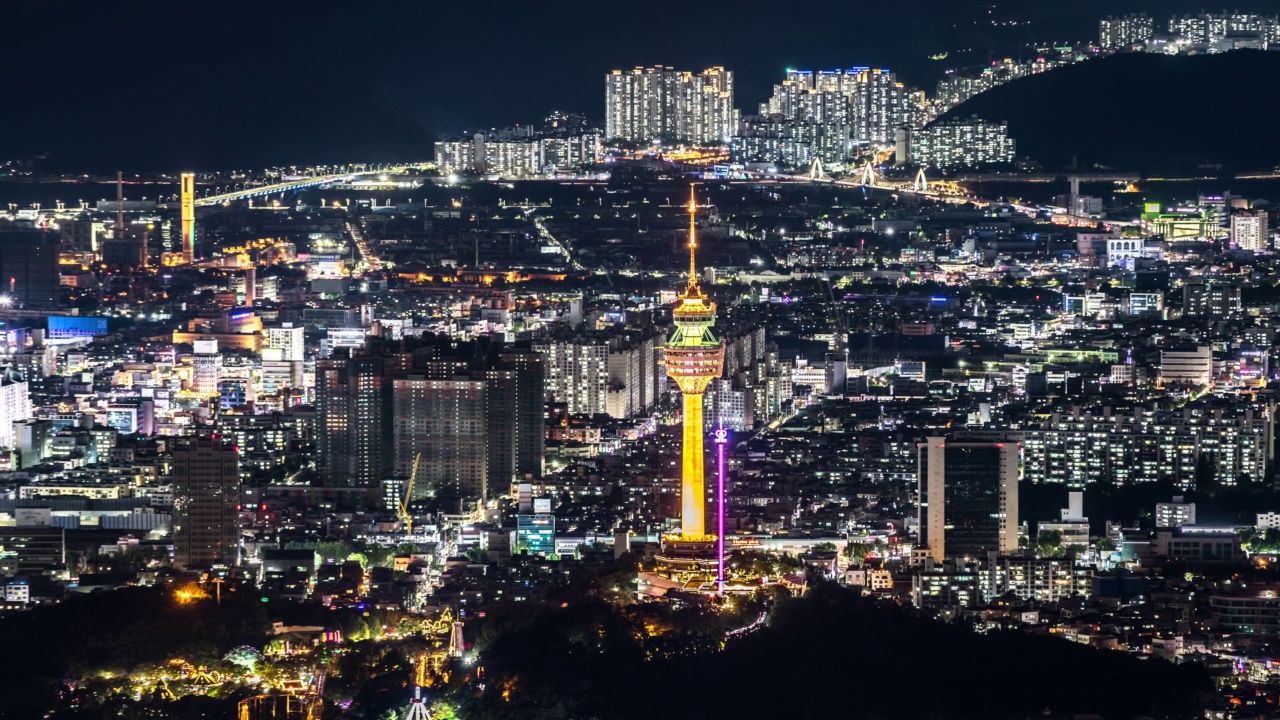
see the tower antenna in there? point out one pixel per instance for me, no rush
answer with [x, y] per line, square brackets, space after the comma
[119, 204]
[693, 236]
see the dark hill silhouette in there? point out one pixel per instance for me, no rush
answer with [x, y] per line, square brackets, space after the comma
[222, 122]
[1143, 112]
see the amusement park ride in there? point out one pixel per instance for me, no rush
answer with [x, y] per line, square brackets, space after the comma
[432, 668]
[304, 701]
[299, 702]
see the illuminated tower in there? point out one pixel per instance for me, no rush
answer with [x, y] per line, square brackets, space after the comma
[694, 358]
[188, 204]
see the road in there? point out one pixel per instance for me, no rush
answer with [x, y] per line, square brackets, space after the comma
[546, 235]
[369, 261]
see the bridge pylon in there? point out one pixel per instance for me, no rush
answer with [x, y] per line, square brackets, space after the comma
[868, 176]
[816, 172]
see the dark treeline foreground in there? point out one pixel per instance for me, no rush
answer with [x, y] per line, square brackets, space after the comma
[830, 654]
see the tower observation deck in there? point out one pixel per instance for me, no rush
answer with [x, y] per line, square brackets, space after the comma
[694, 357]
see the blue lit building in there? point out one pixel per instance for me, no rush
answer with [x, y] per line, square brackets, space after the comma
[537, 533]
[70, 326]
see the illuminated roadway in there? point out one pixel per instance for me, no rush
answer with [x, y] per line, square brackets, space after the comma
[952, 197]
[294, 184]
[369, 262]
[546, 235]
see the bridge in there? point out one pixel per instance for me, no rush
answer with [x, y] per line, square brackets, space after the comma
[949, 191]
[294, 184]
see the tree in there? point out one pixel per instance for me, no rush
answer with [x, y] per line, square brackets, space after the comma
[1105, 545]
[1049, 544]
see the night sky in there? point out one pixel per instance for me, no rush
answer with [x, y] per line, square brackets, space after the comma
[450, 66]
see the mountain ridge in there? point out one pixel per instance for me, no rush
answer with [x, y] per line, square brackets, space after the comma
[1141, 112]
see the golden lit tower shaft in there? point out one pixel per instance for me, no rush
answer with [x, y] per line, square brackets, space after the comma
[694, 358]
[187, 209]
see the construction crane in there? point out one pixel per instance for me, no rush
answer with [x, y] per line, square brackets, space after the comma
[405, 517]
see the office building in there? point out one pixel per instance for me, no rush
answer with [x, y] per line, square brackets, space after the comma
[1192, 366]
[39, 548]
[1210, 299]
[1072, 525]
[1253, 609]
[206, 494]
[968, 497]
[661, 104]
[29, 268]
[536, 534]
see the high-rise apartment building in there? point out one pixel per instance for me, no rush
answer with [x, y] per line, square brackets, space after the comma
[663, 104]
[968, 497]
[353, 419]
[288, 338]
[444, 418]
[577, 374]
[478, 430]
[830, 112]
[514, 387]
[775, 139]
[596, 374]
[754, 388]
[29, 268]
[513, 158]
[206, 496]
[1247, 29]
[206, 368]
[881, 105]
[1249, 230]
[1123, 446]
[453, 156]
[515, 155]
[1123, 31]
[15, 406]
[960, 143]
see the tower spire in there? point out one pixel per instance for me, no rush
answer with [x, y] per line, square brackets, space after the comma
[693, 237]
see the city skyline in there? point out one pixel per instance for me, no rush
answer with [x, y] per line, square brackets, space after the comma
[720, 369]
[416, 80]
